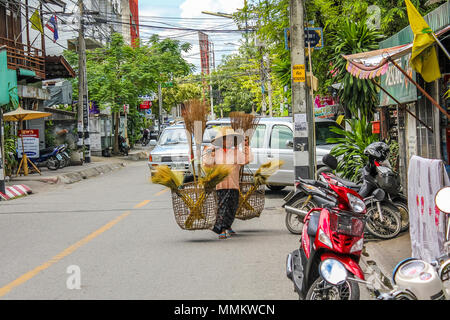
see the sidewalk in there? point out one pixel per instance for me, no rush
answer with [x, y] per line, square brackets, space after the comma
[380, 257]
[74, 173]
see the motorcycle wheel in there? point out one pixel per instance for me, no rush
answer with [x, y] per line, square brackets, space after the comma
[388, 228]
[53, 163]
[321, 290]
[294, 223]
[62, 163]
[404, 214]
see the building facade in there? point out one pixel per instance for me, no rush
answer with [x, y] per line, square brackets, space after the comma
[429, 137]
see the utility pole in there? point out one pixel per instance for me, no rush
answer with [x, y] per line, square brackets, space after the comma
[83, 109]
[302, 113]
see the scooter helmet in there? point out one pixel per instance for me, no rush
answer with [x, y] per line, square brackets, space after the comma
[377, 150]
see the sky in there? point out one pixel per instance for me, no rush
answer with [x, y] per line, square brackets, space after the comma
[188, 13]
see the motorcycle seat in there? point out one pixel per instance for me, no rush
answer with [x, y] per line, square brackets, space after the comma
[46, 150]
[313, 223]
[349, 184]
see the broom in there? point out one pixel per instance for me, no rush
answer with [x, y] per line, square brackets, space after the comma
[194, 116]
[213, 176]
[260, 177]
[244, 123]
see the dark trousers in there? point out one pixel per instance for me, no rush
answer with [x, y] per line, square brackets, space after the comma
[228, 201]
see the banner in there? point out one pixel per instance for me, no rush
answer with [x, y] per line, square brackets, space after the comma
[30, 143]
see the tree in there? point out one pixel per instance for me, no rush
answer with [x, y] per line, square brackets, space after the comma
[118, 73]
[359, 96]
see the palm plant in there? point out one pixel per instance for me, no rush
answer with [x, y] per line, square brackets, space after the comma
[351, 147]
[359, 96]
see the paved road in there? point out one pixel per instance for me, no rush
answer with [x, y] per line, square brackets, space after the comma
[119, 232]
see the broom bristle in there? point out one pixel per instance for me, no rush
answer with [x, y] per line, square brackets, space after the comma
[214, 175]
[243, 123]
[266, 170]
[166, 177]
[195, 117]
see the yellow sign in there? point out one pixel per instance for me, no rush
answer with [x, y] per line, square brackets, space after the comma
[298, 73]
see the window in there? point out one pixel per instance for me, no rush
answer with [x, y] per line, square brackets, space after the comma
[323, 132]
[173, 136]
[258, 137]
[280, 135]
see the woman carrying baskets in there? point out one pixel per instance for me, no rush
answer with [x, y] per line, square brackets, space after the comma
[225, 150]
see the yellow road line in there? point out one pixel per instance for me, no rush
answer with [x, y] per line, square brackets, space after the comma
[162, 191]
[30, 274]
[141, 204]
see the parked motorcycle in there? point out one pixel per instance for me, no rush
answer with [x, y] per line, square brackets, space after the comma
[333, 232]
[65, 158]
[384, 220]
[413, 279]
[378, 174]
[123, 146]
[49, 157]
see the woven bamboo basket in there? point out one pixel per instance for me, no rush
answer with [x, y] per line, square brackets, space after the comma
[254, 202]
[182, 211]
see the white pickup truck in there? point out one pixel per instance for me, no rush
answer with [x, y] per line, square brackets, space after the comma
[273, 138]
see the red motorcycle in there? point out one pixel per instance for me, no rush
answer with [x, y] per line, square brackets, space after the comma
[333, 233]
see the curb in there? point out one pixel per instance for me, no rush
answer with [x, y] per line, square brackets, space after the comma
[81, 174]
[15, 191]
[72, 177]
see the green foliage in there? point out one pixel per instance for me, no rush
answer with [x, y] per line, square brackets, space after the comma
[359, 96]
[351, 147]
[118, 73]
[11, 162]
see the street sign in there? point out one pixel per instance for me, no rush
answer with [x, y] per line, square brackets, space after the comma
[145, 105]
[298, 73]
[315, 38]
[312, 35]
[148, 113]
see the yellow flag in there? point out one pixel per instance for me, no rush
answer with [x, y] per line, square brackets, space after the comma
[423, 57]
[36, 23]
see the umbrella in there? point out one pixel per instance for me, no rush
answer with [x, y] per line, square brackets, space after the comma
[20, 115]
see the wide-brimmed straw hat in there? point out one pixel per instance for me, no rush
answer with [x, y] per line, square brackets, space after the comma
[227, 133]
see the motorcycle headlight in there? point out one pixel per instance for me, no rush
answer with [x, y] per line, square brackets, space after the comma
[356, 204]
[333, 271]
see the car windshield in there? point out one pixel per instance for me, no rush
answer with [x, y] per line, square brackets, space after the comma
[211, 132]
[323, 132]
[173, 136]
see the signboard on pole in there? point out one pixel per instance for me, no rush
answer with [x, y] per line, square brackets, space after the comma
[144, 105]
[30, 143]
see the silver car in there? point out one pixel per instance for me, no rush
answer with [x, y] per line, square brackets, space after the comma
[273, 138]
[172, 149]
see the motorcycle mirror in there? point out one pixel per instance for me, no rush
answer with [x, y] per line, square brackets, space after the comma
[330, 161]
[442, 199]
[379, 194]
[333, 271]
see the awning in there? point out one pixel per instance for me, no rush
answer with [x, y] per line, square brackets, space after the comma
[372, 64]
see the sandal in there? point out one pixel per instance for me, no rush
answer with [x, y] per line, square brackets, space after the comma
[223, 235]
